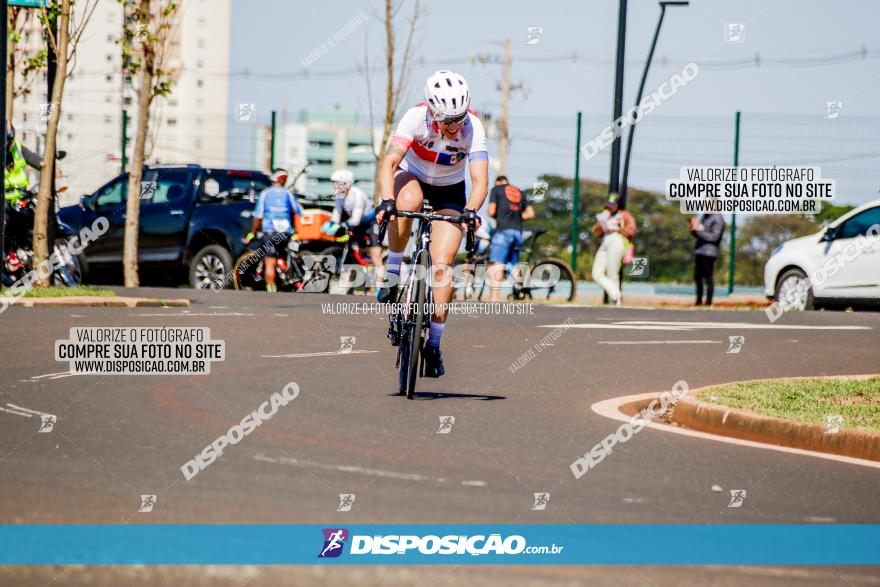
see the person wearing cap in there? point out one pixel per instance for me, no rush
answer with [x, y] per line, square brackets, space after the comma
[276, 209]
[615, 227]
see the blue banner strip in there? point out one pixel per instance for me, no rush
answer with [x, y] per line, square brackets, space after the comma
[602, 544]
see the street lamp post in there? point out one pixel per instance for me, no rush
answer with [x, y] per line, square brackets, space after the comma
[632, 126]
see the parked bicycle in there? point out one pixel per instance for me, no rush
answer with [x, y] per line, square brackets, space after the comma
[549, 279]
[293, 272]
[410, 321]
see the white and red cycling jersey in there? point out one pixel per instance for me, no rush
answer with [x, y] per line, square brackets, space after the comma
[433, 158]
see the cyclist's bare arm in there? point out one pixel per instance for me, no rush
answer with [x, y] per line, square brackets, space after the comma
[479, 183]
[393, 156]
[528, 213]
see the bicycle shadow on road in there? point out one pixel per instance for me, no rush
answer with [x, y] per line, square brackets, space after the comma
[432, 395]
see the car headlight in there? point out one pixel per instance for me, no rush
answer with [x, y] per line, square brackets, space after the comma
[777, 249]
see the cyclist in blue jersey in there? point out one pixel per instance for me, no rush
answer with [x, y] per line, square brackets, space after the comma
[276, 209]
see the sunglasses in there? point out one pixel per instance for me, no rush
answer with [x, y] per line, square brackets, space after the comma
[454, 120]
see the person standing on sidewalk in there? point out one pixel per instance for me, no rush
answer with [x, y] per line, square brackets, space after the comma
[708, 231]
[615, 227]
[509, 207]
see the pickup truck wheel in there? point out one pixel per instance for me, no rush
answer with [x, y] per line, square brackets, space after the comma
[210, 268]
[794, 291]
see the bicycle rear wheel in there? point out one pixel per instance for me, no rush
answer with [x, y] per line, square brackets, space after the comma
[551, 280]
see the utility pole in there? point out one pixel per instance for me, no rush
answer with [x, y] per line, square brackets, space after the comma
[272, 143]
[614, 180]
[503, 124]
[576, 196]
[124, 139]
[506, 88]
[632, 123]
[732, 261]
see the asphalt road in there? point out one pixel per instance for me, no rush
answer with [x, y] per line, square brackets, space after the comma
[514, 434]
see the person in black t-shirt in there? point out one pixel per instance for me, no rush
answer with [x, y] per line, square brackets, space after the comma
[509, 207]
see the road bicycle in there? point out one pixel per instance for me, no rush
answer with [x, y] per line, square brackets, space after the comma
[294, 272]
[549, 279]
[345, 272]
[410, 318]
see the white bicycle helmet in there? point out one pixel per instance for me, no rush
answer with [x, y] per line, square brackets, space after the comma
[447, 94]
[342, 176]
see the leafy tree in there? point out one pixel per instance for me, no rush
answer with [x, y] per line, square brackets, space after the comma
[145, 42]
[757, 238]
[64, 44]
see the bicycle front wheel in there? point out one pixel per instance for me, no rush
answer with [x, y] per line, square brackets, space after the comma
[415, 327]
[245, 274]
[551, 280]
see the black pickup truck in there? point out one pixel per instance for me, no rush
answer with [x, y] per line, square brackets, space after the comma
[192, 220]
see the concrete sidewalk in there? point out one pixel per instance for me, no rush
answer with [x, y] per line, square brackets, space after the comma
[735, 301]
[102, 301]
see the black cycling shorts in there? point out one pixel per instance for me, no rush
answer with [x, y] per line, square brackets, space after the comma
[453, 197]
[275, 244]
[366, 234]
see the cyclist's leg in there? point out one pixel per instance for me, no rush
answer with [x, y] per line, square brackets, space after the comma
[276, 248]
[407, 196]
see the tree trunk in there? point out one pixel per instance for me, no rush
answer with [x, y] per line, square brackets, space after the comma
[389, 95]
[47, 171]
[12, 18]
[136, 169]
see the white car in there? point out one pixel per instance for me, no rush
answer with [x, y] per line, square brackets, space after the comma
[840, 263]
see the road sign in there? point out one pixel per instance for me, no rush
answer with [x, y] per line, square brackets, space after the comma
[28, 3]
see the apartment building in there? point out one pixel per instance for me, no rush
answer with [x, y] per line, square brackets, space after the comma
[190, 126]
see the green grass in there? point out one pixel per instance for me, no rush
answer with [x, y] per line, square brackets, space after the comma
[59, 292]
[807, 400]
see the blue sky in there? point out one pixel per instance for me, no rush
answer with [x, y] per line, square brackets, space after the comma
[783, 107]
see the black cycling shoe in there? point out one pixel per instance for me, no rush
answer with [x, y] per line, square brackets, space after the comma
[433, 362]
[387, 295]
[394, 330]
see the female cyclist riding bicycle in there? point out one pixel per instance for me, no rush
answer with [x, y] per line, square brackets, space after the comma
[426, 160]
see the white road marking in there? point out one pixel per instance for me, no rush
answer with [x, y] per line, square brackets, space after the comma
[50, 376]
[687, 326]
[188, 314]
[25, 414]
[35, 377]
[63, 375]
[361, 470]
[608, 408]
[349, 469]
[322, 354]
[28, 410]
[659, 342]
